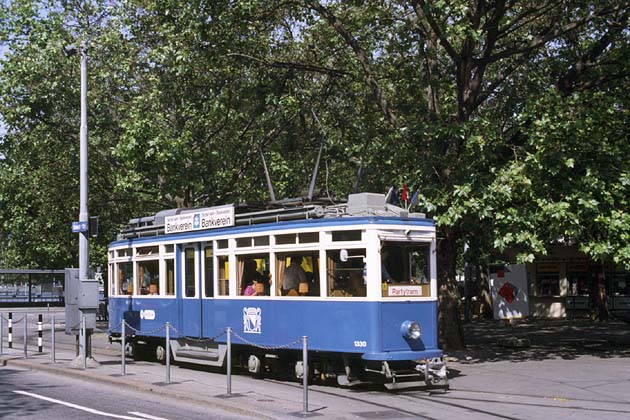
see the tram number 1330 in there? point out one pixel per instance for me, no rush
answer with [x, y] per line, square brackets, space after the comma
[360, 344]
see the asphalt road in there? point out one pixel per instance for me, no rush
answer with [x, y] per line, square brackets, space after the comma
[31, 395]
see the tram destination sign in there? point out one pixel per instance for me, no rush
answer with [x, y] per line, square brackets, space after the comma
[211, 218]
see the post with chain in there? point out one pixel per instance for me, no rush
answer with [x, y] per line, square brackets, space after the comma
[305, 372]
[168, 353]
[123, 345]
[25, 319]
[52, 339]
[229, 361]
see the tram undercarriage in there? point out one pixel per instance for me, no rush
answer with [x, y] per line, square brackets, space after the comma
[346, 370]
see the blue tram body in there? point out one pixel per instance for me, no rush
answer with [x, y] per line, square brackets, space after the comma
[366, 299]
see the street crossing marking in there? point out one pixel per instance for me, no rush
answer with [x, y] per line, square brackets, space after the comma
[87, 409]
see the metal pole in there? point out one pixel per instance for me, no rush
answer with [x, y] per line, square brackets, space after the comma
[305, 375]
[168, 353]
[52, 339]
[122, 359]
[25, 335]
[1, 332]
[83, 174]
[83, 342]
[229, 360]
[40, 331]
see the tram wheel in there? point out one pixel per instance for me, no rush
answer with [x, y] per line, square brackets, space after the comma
[255, 366]
[160, 354]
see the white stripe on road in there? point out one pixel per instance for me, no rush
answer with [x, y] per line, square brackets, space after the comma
[80, 407]
[146, 416]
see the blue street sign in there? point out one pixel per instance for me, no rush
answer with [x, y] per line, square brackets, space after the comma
[79, 227]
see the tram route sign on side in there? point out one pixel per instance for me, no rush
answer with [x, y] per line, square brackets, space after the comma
[211, 218]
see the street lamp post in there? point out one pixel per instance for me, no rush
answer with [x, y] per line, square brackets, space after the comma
[83, 180]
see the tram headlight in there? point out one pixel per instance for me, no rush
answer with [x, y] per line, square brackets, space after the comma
[411, 330]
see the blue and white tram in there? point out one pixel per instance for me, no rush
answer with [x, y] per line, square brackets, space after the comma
[358, 279]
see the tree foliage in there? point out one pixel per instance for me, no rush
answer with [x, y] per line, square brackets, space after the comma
[510, 118]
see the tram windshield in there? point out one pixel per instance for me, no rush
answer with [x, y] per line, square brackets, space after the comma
[405, 269]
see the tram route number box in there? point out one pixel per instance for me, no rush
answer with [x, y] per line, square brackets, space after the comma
[81, 298]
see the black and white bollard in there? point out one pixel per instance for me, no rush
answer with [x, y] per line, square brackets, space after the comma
[10, 336]
[168, 353]
[123, 345]
[305, 374]
[40, 330]
[229, 360]
[52, 339]
[83, 343]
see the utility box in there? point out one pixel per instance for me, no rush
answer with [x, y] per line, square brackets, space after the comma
[81, 298]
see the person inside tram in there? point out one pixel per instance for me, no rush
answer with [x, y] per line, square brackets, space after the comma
[293, 276]
[249, 277]
[385, 276]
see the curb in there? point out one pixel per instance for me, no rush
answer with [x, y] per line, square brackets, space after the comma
[137, 386]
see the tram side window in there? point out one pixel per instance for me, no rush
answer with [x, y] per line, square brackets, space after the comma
[253, 275]
[170, 277]
[208, 272]
[189, 272]
[224, 272]
[298, 274]
[345, 278]
[125, 278]
[148, 280]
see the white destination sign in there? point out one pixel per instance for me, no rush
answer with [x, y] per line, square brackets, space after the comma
[212, 218]
[404, 290]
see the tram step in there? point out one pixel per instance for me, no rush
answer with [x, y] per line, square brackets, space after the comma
[210, 356]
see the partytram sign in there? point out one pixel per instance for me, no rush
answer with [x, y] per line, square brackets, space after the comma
[212, 218]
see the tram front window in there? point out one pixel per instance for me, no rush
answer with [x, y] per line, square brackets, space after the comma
[124, 278]
[405, 269]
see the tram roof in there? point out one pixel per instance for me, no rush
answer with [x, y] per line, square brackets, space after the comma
[360, 208]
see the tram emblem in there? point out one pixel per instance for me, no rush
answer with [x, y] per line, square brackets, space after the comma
[252, 320]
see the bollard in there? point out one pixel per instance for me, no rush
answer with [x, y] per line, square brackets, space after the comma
[40, 330]
[305, 374]
[10, 336]
[229, 360]
[122, 359]
[168, 353]
[52, 339]
[25, 319]
[1, 332]
[83, 343]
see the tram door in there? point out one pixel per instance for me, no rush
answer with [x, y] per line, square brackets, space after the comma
[190, 304]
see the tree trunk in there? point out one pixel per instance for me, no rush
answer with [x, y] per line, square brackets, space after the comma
[451, 333]
[485, 300]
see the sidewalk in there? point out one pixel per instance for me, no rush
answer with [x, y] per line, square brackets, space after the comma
[561, 353]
